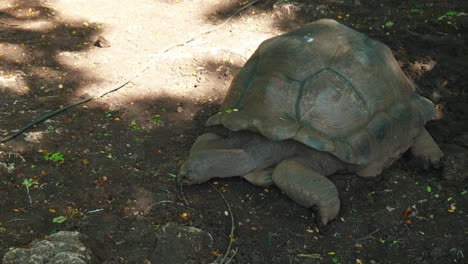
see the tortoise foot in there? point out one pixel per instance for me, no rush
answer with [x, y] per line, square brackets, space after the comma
[308, 188]
[426, 151]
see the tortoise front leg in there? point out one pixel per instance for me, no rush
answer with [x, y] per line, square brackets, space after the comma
[308, 188]
[425, 149]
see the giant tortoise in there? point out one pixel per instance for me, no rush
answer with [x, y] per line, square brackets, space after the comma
[310, 103]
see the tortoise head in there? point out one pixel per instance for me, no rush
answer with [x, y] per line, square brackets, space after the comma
[212, 156]
[202, 166]
[195, 170]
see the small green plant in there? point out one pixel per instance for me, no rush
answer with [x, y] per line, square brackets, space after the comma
[54, 156]
[157, 121]
[28, 183]
[2, 229]
[108, 113]
[133, 125]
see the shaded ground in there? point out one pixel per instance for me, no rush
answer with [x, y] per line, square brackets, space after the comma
[116, 184]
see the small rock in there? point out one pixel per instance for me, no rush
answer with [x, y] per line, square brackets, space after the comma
[180, 244]
[102, 42]
[180, 109]
[34, 137]
[287, 9]
[62, 247]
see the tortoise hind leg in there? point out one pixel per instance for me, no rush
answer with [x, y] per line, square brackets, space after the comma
[426, 150]
[308, 188]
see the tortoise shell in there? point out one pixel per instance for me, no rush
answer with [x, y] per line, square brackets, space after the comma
[330, 88]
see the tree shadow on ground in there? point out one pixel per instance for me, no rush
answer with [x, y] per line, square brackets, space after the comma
[35, 44]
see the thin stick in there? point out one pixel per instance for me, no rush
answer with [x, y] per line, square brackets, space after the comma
[166, 201]
[231, 235]
[17, 219]
[369, 236]
[138, 74]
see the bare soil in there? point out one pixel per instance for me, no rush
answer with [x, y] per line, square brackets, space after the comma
[120, 152]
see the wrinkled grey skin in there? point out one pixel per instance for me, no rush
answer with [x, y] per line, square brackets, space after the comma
[264, 162]
[299, 171]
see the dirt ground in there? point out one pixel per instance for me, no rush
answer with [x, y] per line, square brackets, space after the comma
[106, 168]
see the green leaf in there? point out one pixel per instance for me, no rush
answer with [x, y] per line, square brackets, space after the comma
[389, 24]
[54, 156]
[451, 13]
[75, 213]
[230, 110]
[335, 259]
[416, 11]
[428, 189]
[59, 219]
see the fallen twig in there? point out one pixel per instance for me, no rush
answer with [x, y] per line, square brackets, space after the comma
[129, 80]
[147, 210]
[369, 236]
[16, 219]
[94, 211]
